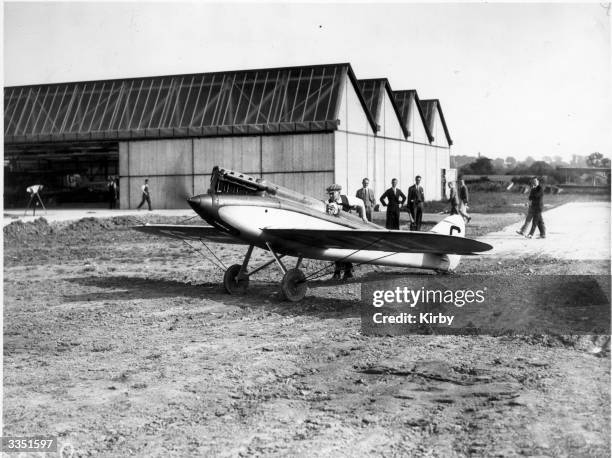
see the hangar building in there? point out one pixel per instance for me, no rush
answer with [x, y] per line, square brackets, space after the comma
[299, 127]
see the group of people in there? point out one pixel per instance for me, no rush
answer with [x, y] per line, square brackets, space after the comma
[393, 198]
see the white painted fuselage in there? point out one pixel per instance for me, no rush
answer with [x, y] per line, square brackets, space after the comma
[250, 220]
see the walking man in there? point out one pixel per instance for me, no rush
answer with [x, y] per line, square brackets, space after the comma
[416, 199]
[367, 195]
[535, 196]
[394, 199]
[464, 197]
[146, 196]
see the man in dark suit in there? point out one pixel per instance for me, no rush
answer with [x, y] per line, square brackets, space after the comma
[367, 195]
[395, 198]
[416, 199]
[536, 205]
[112, 193]
[464, 198]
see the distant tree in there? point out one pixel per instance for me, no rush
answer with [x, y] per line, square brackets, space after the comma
[605, 162]
[459, 161]
[521, 168]
[481, 166]
[547, 159]
[499, 165]
[530, 160]
[594, 160]
[541, 168]
[510, 162]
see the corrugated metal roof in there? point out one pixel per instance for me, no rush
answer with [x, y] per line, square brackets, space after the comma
[404, 101]
[373, 94]
[207, 104]
[371, 90]
[429, 108]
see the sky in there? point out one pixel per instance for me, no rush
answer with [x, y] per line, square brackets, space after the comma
[521, 79]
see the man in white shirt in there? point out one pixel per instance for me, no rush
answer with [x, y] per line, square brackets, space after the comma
[367, 195]
[146, 196]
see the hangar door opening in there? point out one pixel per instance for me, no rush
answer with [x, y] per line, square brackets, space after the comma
[73, 175]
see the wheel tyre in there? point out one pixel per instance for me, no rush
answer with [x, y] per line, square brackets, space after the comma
[293, 285]
[231, 283]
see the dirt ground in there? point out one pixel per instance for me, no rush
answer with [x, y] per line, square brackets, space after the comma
[123, 344]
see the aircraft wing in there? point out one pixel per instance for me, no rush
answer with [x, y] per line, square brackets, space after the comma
[189, 232]
[382, 240]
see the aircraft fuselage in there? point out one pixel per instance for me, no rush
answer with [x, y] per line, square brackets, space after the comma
[245, 217]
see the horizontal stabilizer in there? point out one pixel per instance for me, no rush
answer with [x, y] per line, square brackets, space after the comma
[189, 232]
[381, 240]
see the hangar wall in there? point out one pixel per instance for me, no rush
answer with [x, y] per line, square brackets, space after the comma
[386, 155]
[179, 168]
[353, 150]
[441, 148]
[395, 148]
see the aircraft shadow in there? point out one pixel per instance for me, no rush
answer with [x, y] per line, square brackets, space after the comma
[264, 295]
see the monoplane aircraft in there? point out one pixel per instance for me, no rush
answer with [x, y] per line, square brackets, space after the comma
[241, 209]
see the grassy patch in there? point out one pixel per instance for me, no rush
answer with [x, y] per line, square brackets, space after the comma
[513, 202]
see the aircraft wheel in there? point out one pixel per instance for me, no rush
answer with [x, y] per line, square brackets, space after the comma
[231, 283]
[293, 285]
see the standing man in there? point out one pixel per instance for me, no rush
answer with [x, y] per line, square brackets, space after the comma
[335, 204]
[112, 193]
[146, 196]
[464, 197]
[416, 199]
[537, 205]
[367, 195]
[453, 199]
[395, 198]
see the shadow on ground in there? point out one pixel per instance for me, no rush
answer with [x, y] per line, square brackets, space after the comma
[260, 295]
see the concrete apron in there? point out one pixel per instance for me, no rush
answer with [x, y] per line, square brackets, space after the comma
[579, 231]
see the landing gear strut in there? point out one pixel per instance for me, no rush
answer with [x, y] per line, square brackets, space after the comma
[293, 285]
[236, 278]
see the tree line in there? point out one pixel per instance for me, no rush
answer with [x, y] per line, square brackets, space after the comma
[470, 165]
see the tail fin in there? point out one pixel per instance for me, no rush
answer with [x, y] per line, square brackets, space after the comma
[451, 225]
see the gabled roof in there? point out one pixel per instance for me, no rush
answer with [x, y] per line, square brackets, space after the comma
[429, 108]
[373, 94]
[404, 101]
[273, 100]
